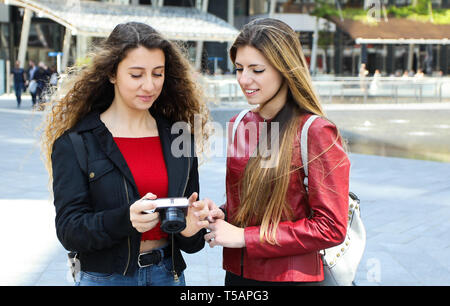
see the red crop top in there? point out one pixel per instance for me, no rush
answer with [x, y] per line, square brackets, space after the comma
[146, 162]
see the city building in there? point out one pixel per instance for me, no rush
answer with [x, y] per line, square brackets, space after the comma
[362, 31]
[60, 32]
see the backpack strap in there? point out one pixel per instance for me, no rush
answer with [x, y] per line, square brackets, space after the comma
[237, 121]
[80, 150]
[304, 146]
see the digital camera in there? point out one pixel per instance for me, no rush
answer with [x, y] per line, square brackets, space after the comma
[172, 212]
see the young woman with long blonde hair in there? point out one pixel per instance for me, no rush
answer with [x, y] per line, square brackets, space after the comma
[123, 105]
[271, 227]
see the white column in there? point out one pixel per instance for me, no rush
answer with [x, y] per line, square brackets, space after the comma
[58, 63]
[205, 5]
[8, 77]
[81, 46]
[312, 67]
[66, 49]
[157, 3]
[198, 55]
[199, 49]
[410, 57]
[231, 22]
[24, 36]
[273, 4]
[198, 4]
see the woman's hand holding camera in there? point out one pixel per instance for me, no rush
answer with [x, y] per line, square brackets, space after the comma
[141, 221]
[196, 217]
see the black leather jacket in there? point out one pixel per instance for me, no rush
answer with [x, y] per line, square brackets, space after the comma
[92, 211]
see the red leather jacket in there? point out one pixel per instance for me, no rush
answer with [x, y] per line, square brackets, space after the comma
[320, 219]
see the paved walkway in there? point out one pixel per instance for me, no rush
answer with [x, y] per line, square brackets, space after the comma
[405, 207]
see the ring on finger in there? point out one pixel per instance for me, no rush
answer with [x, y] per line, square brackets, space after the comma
[212, 237]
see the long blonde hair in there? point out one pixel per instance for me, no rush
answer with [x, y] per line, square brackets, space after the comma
[263, 189]
[89, 88]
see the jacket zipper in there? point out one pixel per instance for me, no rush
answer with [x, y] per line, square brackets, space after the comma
[175, 275]
[129, 242]
[188, 174]
[242, 262]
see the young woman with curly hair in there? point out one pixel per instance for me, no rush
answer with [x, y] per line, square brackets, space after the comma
[123, 105]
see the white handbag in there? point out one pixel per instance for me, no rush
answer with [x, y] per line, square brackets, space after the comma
[341, 261]
[32, 86]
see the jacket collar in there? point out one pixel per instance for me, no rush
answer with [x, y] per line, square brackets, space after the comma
[177, 168]
[89, 122]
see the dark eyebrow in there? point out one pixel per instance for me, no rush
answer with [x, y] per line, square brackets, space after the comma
[142, 68]
[251, 65]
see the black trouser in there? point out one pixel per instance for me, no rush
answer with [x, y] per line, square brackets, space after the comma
[33, 98]
[236, 280]
[39, 94]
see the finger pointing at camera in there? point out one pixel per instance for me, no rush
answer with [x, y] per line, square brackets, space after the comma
[196, 217]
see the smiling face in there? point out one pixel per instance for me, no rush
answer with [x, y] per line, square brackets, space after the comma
[259, 80]
[139, 78]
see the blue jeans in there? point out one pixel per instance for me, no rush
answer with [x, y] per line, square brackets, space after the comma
[154, 275]
[18, 90]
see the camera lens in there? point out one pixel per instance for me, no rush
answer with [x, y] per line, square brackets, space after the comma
[172, 220]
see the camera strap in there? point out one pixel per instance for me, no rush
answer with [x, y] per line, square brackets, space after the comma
[175, 275]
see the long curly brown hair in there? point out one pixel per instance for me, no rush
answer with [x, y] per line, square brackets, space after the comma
[88, 88]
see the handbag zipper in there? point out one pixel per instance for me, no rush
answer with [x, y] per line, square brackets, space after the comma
[129, 242]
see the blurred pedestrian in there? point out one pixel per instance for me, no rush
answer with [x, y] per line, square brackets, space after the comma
[363, 72]
[53, 76]
[42, 77]
[123, 105]
[19, 81]
[419, 74]
[405, 75]
[32, 83]
[374, 85]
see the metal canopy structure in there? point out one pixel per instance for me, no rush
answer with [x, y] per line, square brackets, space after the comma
[395, 31]
[98, 19]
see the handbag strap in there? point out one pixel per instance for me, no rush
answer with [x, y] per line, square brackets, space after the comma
[303, 139]
[80, 150]
[236, 123]
[304, 147]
